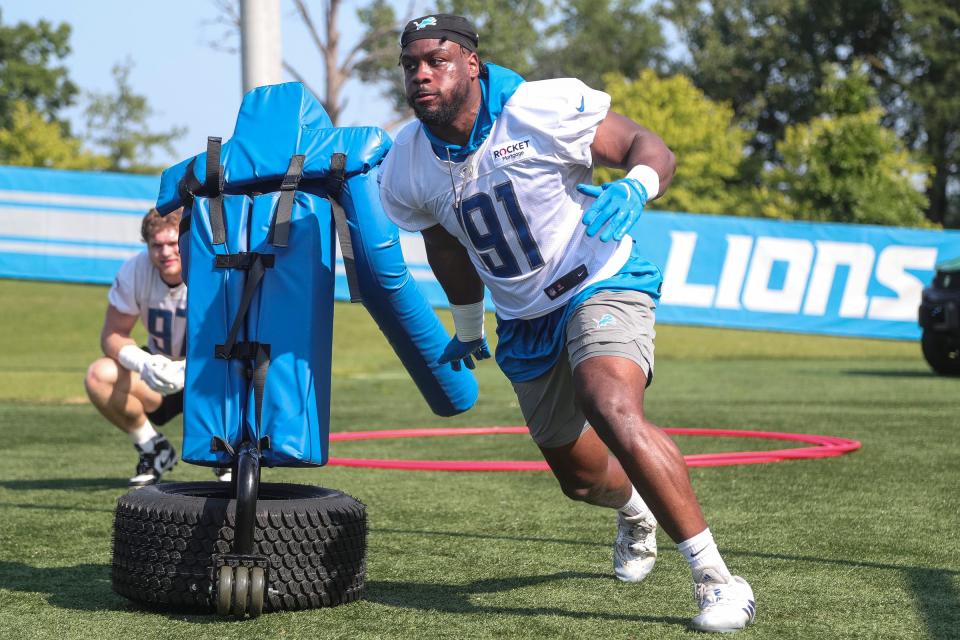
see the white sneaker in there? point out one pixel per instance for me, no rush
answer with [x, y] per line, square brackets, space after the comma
[724, 606]
[635, 549]
[223, 474]
[153, 463]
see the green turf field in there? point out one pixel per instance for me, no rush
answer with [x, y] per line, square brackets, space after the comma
[862, 546]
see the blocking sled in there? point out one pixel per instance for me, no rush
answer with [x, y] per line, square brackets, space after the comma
[262, 213]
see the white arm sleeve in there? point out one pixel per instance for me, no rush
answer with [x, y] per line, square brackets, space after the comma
[402, 214]
[577, 125]
[123, 292]
[567, 111]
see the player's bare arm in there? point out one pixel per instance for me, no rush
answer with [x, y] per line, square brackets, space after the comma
[452, 267]
[116, 332]
[623, 144]
[456, 274]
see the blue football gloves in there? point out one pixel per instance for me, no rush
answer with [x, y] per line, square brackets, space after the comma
[617, 208]
[457, 351]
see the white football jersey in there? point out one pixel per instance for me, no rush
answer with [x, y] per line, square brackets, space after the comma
[520, 209]
[138, 290]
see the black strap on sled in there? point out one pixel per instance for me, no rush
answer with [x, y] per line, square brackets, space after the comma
[219, 444]
[280, 229]
[243, 260]
[337, 177]
[259, 353]
[214, 189]
[255, 264]
[189, 188]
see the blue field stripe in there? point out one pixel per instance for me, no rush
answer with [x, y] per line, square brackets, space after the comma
[66, 269]
[81, 183]
[6, 203]
[43, 240]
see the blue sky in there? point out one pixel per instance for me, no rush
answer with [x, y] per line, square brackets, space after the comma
[186, 81]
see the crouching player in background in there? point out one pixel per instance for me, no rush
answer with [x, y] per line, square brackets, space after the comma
[134, 388]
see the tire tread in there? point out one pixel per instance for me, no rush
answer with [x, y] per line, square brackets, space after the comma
[165, 536]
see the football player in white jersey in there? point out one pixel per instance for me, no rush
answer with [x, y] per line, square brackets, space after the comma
[495, 174]
[137, 389]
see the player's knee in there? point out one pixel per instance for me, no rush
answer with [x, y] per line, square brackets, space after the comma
[579, 487]
[577, 493]
[100, 375]
[611, 408]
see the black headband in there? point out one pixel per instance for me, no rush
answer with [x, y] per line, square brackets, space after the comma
[441, 26]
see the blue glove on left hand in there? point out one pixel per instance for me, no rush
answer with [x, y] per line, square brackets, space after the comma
[618, 206]
[457, 351]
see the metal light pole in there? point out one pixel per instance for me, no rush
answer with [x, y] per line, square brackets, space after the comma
[260, 45]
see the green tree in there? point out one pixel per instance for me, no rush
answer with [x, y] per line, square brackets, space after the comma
[535, 38]
[844, 165]
[372, 58]
[928, 98]
[30, 141]
[565, 38]
[381, 48]
[700, 131]
[30, 73]
[768, 57]
[846, 92]
[848, 168]
[589, 38]
[117, 123]
[508, 30]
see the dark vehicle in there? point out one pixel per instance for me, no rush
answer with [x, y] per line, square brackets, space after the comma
[940, 320]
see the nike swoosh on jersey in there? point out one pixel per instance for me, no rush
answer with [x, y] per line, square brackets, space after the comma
[580, 108]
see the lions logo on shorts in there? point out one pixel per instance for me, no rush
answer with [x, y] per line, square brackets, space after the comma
[606, 320]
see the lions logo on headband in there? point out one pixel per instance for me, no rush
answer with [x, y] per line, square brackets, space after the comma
[426, 22]
[440, 26]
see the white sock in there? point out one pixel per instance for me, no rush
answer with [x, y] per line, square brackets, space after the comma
[142, 436]
[704, 558]
[635, 506]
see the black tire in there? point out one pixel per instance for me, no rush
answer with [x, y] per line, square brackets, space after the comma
[165, 536]
[942, 352]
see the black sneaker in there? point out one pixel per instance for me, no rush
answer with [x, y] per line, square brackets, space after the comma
[153, 463]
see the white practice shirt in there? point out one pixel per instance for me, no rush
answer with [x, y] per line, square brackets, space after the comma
[520, 207]
[138, 290]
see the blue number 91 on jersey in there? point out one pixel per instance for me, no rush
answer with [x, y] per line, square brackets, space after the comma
[491, 242]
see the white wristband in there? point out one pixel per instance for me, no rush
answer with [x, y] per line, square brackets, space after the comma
[468, 321]
[132, 357]
[648, 177]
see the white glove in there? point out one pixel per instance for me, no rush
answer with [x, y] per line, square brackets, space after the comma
[158, 372]
[176, 372]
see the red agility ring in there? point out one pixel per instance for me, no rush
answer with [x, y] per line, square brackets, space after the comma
[824, 447]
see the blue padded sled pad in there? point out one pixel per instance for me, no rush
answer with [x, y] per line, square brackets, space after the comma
[392, 298]
[275, 123]
[291, 311]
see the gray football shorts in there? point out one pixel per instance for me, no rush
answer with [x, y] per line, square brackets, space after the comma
[608, 323]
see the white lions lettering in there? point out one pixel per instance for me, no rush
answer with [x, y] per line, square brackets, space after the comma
[809, 273]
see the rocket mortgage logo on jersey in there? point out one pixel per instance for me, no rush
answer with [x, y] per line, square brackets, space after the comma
[511, 151]
[838, 279]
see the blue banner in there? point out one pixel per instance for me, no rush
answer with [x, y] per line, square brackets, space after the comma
[70, 225]
[723, 271]
[838, 279]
